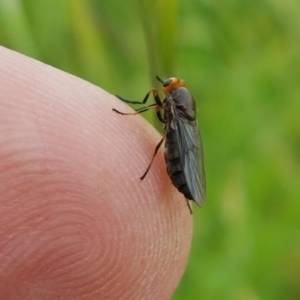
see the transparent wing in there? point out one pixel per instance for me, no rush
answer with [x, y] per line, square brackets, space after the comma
[191, 154]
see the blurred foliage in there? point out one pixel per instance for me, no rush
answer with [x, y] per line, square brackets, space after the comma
[241, 61]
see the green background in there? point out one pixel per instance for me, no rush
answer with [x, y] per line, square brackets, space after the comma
[240, 59]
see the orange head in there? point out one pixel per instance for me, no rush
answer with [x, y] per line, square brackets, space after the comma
[171, 83]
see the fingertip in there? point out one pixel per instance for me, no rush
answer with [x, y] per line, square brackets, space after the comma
[76, 166]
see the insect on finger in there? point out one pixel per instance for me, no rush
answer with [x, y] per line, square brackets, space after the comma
[183, 145]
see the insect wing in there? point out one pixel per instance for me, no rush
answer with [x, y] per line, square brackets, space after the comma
[191, 154]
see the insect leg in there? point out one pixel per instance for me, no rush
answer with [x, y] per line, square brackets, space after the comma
[154, 154]
[138, 111]
[157, 110]
[189, 206]
[155, 96]
[155, 106]
[158, 113]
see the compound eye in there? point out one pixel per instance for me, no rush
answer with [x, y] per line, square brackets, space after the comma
[167, 82]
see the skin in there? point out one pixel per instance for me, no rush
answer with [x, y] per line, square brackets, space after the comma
[75, 220]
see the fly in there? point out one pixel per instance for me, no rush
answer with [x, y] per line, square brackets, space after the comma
[183, 145]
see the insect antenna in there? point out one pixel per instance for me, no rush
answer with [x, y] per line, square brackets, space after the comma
[158, 78]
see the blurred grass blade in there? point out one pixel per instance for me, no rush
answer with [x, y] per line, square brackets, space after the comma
[160, 23]
[15, 29]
